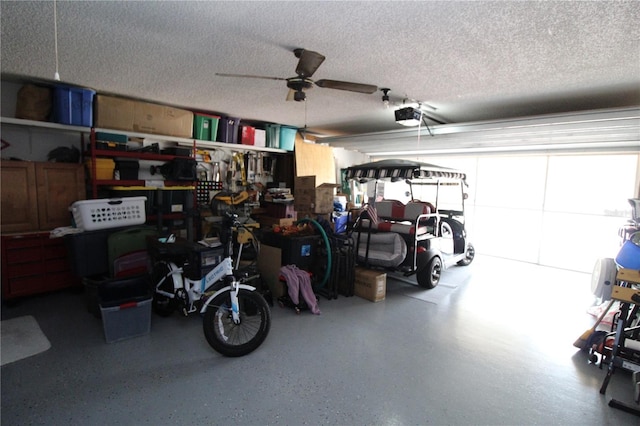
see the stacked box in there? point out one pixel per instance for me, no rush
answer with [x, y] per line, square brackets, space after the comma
[370, 284]
[310, 199]
[280, 210]
[127, 114]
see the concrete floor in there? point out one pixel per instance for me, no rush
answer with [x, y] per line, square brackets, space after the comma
[492, 345]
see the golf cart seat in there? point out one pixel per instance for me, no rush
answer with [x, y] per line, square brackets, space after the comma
[394, 216]
[386, 249]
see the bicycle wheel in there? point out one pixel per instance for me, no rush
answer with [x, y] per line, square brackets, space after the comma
[231, 339]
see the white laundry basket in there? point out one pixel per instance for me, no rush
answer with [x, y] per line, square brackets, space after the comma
[106, 213]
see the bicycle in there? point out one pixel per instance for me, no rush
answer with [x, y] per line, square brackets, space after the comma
[236, 317]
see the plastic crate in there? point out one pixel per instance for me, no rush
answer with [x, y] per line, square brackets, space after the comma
[73, 105]
[109, 213]
[287, 138]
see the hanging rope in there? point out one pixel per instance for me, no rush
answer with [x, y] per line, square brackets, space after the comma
[56, 75]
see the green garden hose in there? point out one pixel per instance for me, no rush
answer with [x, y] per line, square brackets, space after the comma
[327, 245]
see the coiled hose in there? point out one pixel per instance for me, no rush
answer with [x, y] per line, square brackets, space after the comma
[327, 273]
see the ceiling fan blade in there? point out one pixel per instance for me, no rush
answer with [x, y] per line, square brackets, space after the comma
[250, 76]
[345, 85]
[308, 63]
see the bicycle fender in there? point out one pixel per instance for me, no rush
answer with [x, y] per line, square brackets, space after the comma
[205, 305]
[176, 277]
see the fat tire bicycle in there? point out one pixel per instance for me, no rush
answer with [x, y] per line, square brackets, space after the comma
[236, 317]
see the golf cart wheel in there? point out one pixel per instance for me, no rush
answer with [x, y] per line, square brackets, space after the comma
[428, 275]
[468, 256]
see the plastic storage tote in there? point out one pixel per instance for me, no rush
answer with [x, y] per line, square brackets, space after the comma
[287, 138]
[228, 130]
[205, 127]
[125, 306]
[248, 134]
[273, 135]
[73, 105]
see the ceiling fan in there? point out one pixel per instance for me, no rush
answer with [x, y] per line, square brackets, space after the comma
[308, 63]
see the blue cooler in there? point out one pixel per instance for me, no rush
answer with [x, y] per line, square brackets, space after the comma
[629, 255]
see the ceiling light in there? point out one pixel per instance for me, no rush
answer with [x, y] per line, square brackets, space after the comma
[385, 97]
[408, 116]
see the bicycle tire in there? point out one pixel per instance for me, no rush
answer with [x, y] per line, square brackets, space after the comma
[235, 340]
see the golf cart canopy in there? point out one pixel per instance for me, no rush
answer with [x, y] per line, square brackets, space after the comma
[401, 169]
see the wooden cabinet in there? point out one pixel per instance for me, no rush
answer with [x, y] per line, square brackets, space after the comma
[36, 196]
[18, 196]
[34, 263]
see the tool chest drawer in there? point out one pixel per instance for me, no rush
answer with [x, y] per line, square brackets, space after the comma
[33, 263]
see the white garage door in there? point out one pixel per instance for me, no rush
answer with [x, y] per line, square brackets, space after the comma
[554, 210]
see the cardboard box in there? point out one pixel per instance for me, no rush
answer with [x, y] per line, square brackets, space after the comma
[143, 117]
[370, 284]
[311, 197]
[269, 264]
[280, 221]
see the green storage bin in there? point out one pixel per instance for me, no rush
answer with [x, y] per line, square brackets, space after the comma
[205, 127]
[273, 135]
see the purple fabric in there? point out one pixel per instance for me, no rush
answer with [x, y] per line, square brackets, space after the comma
[298, 282]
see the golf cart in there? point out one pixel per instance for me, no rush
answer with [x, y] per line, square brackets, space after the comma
[409, 218]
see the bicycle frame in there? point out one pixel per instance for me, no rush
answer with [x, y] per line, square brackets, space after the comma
[195, 289]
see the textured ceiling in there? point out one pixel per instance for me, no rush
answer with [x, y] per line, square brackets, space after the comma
[470, 60]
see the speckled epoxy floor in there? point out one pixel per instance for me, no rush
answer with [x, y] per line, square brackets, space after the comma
[491, 345]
